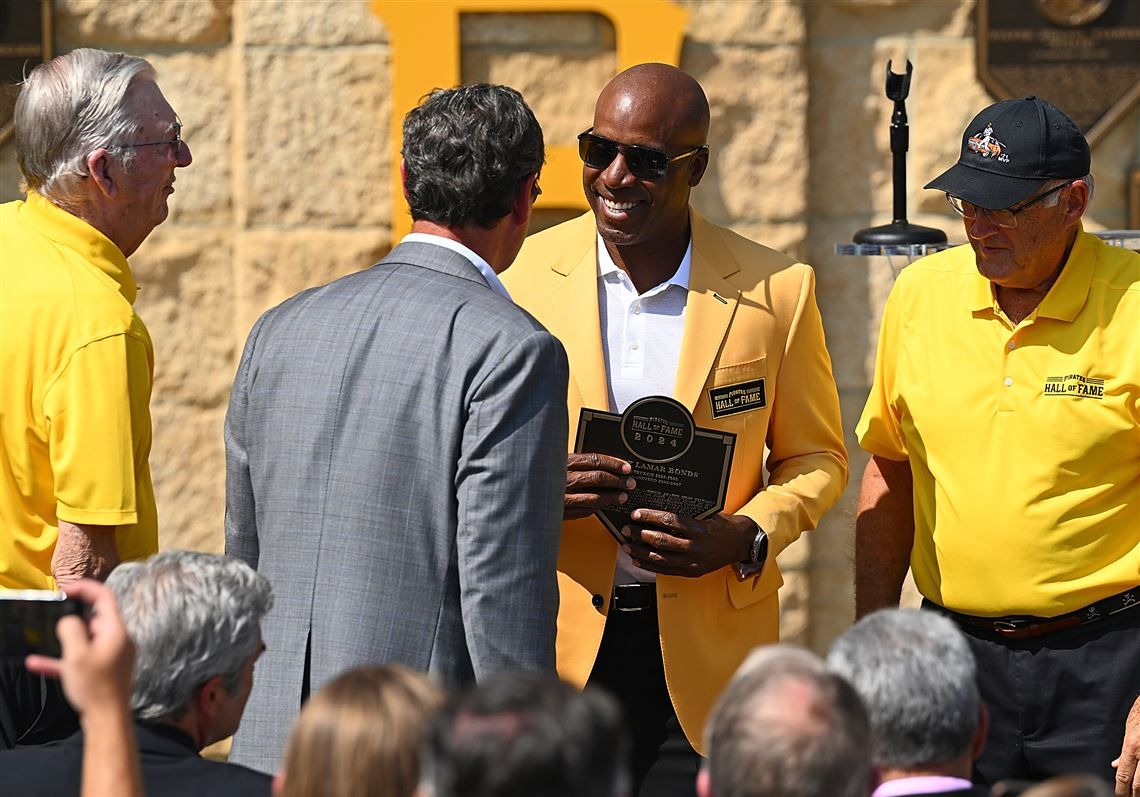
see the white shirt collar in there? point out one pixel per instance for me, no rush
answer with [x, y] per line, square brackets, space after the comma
[484, 267]
[606, 265]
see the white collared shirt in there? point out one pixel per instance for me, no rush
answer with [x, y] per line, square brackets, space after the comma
[641, 336]
[484, 267]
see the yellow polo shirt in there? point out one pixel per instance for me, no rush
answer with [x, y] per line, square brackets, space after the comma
[74, 405]
[1024, 440]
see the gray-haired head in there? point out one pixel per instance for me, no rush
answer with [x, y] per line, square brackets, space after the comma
[916, 675]
[467, 151]
[192, 616]
[786, 727]
[69, 107]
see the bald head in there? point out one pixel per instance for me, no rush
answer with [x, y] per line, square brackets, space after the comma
[785, 726]
[640, 196]
[664, 93]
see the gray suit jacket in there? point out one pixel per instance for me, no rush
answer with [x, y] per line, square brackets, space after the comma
[395, 465]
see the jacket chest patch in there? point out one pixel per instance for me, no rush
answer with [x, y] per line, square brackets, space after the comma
[741, 397]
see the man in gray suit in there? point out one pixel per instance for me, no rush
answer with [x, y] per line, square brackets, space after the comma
[395, 441]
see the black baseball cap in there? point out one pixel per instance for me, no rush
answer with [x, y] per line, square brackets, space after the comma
[1010, 149]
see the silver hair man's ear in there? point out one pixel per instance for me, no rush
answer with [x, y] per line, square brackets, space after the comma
[1052, 200]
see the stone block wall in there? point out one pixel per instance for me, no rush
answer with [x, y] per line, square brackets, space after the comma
[286, 105]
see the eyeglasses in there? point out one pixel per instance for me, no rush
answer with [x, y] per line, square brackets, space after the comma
[175, 144]
[645, 163]
[1005, 217]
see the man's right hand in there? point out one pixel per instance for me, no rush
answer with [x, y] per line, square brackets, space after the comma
[594, 481]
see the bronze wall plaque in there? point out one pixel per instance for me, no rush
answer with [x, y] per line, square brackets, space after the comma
[25, 42]
[1081, 55]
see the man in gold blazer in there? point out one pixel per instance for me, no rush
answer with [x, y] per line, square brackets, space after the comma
[648, 297]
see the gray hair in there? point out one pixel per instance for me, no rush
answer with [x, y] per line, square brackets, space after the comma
[916, 675]
[1052, 200]
[69, 107]
[785, 727]
[191, 616]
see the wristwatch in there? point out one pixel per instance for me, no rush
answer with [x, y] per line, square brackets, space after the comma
[757, 555]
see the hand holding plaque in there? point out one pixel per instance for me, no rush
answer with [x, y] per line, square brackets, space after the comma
[678, 467]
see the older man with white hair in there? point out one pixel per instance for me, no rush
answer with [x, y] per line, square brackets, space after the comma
[195, 620]
[97, 145]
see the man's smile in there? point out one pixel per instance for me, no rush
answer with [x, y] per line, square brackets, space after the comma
[615, 205]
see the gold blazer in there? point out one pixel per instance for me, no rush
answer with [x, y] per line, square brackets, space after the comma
[751, 314]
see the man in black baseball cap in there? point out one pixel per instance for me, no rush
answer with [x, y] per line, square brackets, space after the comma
[1010, 150]
[1005, 451]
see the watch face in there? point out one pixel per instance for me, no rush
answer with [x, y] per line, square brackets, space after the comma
[760, 548]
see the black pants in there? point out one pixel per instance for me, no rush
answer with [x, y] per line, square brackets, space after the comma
[629, 666]
[33, 709]
[1057, 703]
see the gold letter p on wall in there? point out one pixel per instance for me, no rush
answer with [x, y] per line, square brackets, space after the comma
[424, 39]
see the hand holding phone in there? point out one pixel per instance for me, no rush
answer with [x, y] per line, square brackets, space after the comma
[98, 657]
[27, 621]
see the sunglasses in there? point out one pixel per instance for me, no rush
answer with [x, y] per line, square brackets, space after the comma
[645, 163]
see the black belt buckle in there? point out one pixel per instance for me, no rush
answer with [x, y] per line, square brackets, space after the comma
[634, 597]
[1010, 625]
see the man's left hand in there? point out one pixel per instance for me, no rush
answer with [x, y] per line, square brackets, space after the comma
[1127, 774]
[666, 543]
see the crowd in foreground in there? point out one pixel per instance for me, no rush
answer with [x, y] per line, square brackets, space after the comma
[165, 662]
[397, 476]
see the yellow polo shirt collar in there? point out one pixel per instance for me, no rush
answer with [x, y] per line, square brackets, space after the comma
[1071, 290]
[1068, 294]
[74, 233]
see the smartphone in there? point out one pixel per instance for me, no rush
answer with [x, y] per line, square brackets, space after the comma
[27, 621]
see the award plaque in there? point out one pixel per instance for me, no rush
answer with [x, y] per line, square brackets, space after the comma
[679, 467]
[1081, 55]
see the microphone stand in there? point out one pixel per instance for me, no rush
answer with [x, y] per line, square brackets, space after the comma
[899, 231]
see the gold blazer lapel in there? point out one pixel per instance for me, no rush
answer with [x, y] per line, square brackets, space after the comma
[711, 305]
[574, 305]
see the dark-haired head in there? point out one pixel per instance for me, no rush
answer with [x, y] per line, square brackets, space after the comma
[466, 152]
[527, 735]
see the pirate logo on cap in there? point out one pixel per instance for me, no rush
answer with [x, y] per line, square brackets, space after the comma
[986, 145]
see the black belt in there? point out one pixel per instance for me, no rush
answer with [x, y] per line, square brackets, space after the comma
[1024, 626]
[634, 598]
